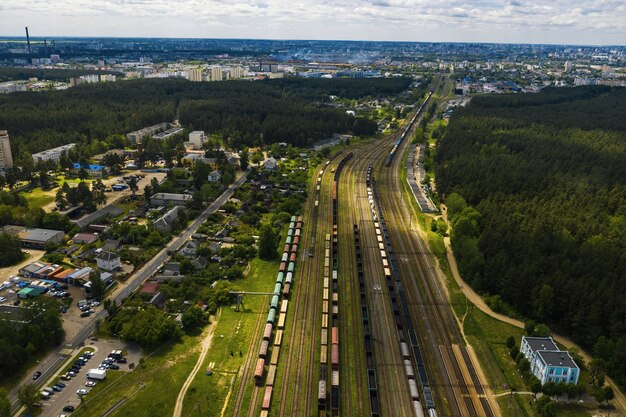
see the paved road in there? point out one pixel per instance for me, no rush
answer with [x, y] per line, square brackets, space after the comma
[51, 363]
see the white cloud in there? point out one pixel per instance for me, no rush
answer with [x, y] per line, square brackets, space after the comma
[556, 21]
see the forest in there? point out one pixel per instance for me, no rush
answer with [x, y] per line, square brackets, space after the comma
[536, 190]
[41, 330]
[246, 113]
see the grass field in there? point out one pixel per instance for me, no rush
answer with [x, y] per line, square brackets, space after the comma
[233, 334]
[39, 198]
[155, 384]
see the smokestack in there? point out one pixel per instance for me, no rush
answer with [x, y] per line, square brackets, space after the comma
[28, 41]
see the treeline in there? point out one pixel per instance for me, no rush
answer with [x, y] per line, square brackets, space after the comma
[40, 329]
[17, 73]
[249, 113]
[14, 210]
[544, 226]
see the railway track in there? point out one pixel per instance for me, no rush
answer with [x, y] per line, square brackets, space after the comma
[459, 392]
[391, 394]
[248, 369]
[302, 330]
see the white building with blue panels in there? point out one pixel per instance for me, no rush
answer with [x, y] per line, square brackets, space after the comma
[547, 362]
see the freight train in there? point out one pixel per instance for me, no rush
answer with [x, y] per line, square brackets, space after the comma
[277, 313]
[405, 132]
[402, 318]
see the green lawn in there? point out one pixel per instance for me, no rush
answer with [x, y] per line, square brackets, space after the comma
[38, 198]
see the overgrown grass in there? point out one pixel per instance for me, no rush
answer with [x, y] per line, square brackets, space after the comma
[233, 334]
[151, 390]
[153, 385]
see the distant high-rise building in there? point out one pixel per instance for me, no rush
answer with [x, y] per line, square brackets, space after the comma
[6, 158]
[216, 73]
[194, 74]
[568, 66]
[197, 138]
[236, 72]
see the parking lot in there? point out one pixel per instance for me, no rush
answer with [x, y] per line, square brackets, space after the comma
[53, 406]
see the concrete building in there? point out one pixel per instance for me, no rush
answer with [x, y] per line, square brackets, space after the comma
[53, 154]
[6, 158]
[138, 135]
[193, 158]
[164, 199]
[217, 73]
[194, 74]
[547, 362]
[197, 138]
[34, 238]
[237, 72]
[164, 224]
[94, 171]
[168, 133]
[108, 261]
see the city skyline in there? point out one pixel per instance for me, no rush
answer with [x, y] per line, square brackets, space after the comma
[587, 22]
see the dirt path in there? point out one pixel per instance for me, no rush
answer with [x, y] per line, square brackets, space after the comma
[33, 256]
[206, 344]
[477, 300]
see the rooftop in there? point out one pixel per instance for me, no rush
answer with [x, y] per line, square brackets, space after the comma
[561, 358]
[541, 343]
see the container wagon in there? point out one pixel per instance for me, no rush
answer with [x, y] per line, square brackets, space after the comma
[263, 349]
[267, 398]
[258, 372]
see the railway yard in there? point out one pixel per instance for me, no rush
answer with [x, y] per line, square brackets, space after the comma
[359, 324]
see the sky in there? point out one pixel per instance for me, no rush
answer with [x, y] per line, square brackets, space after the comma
[583, 22]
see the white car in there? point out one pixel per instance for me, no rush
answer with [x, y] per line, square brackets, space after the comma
[90, 383]
[82, 392]
[89, 353]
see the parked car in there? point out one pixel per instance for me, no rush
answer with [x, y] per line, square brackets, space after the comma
[85, 314]
[122, 360]
[114, 367]
[71, 374]
[82, 391]
[61, 384]
[57, 388]
[90, 383]
[69, 408]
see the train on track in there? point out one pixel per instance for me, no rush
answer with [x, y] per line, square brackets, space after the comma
[367, 334]
[405, 132]
[408, 343]
[277, 315]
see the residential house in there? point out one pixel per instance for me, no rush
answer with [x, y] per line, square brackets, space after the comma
[164, 199]
[214, 176]
[85, 238]
[270, 164]
[108, 261]
[164, 223]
